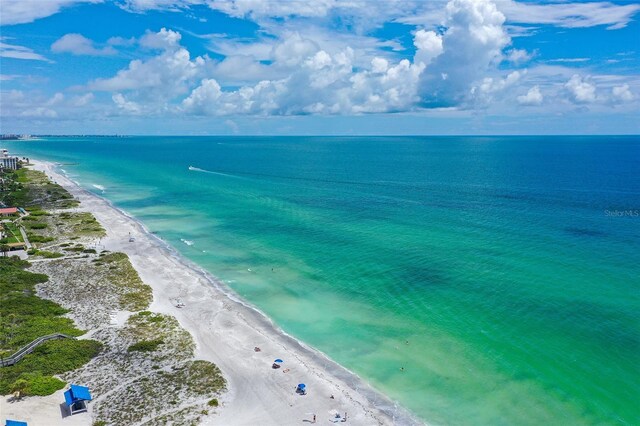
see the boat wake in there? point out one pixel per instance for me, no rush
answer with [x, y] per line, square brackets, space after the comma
[197, 169]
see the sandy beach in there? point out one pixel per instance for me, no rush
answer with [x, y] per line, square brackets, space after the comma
[226, 331]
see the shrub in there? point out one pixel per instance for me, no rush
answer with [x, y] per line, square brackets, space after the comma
[53, 357]
[37, 384]
[213, 402]
[35, 225]
[39, 238]
[48, 254]
[145, 345]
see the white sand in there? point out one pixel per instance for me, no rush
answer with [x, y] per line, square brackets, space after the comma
[226, 332]
[42, 410]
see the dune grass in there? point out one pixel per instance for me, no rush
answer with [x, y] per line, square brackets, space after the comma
[135, 295]
[32, 188]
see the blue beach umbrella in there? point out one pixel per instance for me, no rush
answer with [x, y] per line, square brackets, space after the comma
[278, 361]
[302, 386]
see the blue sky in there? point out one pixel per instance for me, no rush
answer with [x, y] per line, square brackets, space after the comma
[321, 67]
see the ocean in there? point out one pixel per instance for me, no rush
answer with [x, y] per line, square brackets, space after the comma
[475, 280]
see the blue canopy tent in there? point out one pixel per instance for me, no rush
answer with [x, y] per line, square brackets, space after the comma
[301, 389]
[15, 423]
[76, 398]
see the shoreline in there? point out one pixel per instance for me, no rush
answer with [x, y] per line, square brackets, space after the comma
[226, 329]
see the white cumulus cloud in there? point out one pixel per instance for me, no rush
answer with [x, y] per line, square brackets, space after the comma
[428, 45]
[163, 39]
[518, 56]
[160, 78]
[472, 44]
[301, 65]
[622, 93]
[533, 97]
[323, 84]
[127, 106]
[581, 90]
[78, 44]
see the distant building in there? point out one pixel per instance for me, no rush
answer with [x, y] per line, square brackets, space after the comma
[12, 137]
[8, 211]
[8, 162]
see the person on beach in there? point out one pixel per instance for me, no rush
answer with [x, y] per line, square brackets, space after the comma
[314, 418]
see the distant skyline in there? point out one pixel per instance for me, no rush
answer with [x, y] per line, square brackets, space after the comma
[326, 67]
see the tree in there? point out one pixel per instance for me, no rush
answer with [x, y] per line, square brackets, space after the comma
[4, 249]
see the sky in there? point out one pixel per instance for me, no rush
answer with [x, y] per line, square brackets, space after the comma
[319, 67]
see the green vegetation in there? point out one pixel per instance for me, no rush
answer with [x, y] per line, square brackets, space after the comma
[78, 248]
[33, 190]
[12, 232]
[52, 357]
[200, 377]
[35, 225]
[150, 395]
[34, 211]
[34, 238]
[35, 384]
[25, 317]
[83, 224]
[134, 294]
[109, 282]
[44, 253]
[145, 345]
[158, 335]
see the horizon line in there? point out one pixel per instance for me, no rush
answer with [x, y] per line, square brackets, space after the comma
[311, 135]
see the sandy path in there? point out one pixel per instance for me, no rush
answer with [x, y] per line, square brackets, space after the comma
[226, 331]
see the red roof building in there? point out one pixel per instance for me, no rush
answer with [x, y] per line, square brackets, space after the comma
[8, 211]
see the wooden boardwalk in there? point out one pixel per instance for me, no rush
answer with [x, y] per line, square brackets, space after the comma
[27, 349]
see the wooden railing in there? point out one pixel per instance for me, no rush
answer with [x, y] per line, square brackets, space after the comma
[5, 362]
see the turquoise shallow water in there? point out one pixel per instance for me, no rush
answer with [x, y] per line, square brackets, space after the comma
[500, 273]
